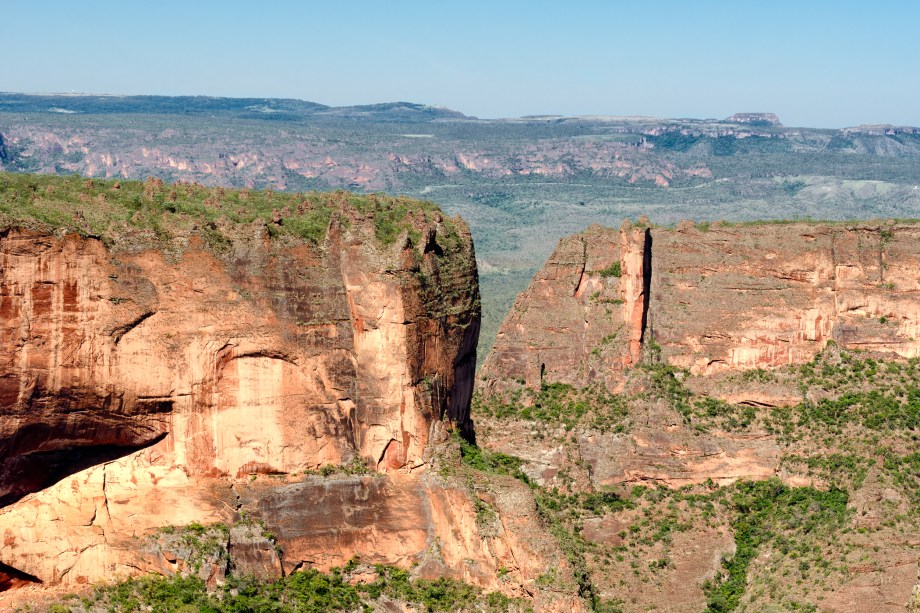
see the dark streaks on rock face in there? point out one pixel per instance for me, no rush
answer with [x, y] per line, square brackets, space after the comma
[157, 379]
[335, 514]
[458, 408]
[583, 317]
[646, 281]
[713, 298]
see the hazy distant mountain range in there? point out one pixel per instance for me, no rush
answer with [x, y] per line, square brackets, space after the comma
[262, 108]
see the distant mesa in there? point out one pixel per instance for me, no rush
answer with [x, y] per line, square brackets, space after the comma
[395, 111]
[757, 119]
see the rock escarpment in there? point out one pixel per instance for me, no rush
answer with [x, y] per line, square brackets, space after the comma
[279, 361]
[151, 379]
[769, 295]
[769, 356]
[583, 317]
[711, 299]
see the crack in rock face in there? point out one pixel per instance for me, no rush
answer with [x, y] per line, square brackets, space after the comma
[711, 299]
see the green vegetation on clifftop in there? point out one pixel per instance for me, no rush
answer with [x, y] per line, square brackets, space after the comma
[110, 209]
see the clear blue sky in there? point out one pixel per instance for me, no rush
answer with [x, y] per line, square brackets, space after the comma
[814, 63]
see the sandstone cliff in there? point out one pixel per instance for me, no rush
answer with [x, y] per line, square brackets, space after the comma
[276, 361]
[710, 299]
[144, 374]
[583, 317]
[721, 360]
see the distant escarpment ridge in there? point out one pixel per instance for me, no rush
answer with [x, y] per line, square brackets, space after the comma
[273, 108]
[255, 108]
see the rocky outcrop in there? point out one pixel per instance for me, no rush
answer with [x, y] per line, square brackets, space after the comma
[137, 385]
[582, 319]
[240, 362]
[713, 300]
[710, 299]
[728, 314]
[761, 119]
[102, 523]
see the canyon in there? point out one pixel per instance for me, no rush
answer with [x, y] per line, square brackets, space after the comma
[150, 384]
[292, 376]
[520, 183]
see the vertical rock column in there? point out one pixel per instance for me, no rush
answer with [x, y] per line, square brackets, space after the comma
[635, 265]
[583, 317]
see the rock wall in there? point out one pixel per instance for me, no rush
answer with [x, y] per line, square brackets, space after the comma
[138, 385]
[97, 526]
[582, 318]
[717, 302]
[710, 299]
[729, 298]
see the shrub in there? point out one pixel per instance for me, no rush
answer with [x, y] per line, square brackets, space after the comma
[614, 270]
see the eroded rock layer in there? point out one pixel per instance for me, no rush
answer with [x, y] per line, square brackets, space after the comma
[137, 384]
[710, 299]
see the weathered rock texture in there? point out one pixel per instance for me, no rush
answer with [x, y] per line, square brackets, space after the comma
[715, 303]
[761, 296]
[279, 361]
[136, 385]
[583, 317]
[712, 299]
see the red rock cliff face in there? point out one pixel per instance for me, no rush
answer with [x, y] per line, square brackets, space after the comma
[713, 299]
[763, 296]
[138, 385]
[583, 316]
[719, 300]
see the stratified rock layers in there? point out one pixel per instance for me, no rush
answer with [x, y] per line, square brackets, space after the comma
[712, 301]
[764, 296]
[710, 298]
[137, 385]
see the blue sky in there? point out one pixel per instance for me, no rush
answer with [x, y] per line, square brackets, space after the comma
[814, 63]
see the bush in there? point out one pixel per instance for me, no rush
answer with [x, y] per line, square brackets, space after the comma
[614, 270]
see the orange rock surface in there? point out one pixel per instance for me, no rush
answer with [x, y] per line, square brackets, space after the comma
[714, 298]
[762, 296]
[139, 386]
[582, 318]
